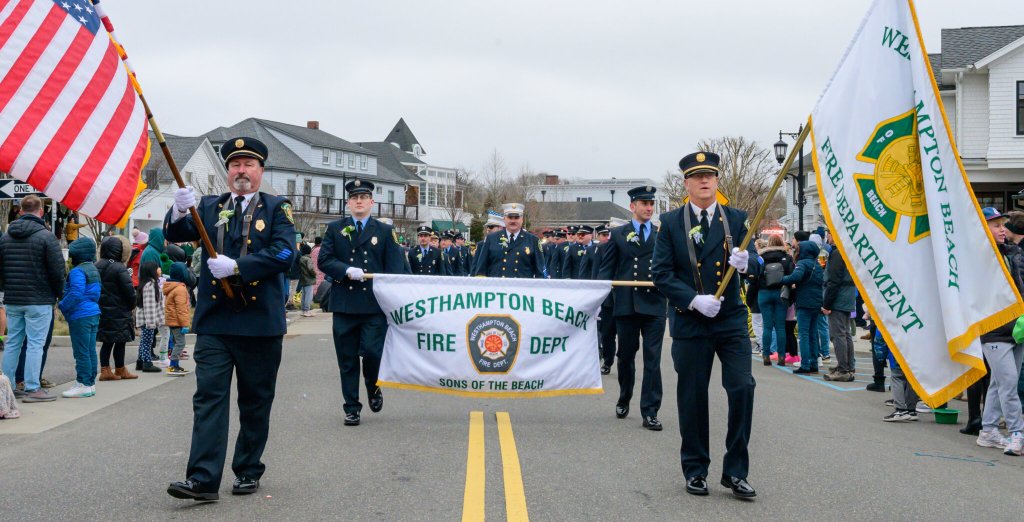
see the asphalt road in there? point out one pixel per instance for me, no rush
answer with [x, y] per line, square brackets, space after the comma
[817, 453]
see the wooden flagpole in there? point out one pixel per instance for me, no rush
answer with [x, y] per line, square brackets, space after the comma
[752, 226]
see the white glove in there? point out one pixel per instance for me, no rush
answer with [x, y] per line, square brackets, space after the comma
[706, 304]
[739, 260]
[221, 266]
[355, 274]
[184, 198]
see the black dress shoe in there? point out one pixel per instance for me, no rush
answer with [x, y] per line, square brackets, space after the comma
[652, 423]
[697, 486]
[804, 371]
[244, 486]
[377, 401]
[621, 410]
[190, 489]
[740, 488]
[351, 419]
[605, 370]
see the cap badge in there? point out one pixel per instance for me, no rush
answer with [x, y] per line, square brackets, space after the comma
[701, 157]
[239, 143]
[357, 183]
[650, 189]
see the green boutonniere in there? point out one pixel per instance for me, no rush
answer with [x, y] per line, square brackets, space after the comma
[696, 234]
[347, 231]
[633, 238]
[225, 217]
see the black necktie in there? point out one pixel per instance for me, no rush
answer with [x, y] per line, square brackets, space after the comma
[239, 203]
[704, 225]
[643, 233]
[359, 228]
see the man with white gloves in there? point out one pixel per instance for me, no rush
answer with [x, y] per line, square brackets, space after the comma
[253, 234]
[351, 245]
[694, 250]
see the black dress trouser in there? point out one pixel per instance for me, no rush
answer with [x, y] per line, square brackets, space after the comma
[255, 361]
[693, 358]
[606, 335]
[355, 336]
[629, 329]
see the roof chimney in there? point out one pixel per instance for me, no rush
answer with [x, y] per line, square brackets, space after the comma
[550, 179]
[312, 124]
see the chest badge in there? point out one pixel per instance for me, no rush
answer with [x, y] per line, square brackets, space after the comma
[260, 225]
[373, 241]
[527, 250]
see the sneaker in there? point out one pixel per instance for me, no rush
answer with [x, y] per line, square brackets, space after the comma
[46, 383]
[162, 363]
[177, 371]
[18, 394]
[825, 359]
[39, 395]
[20, 386]
[911, 415]
[774, 357]
[897, 416]
[992, 439]
[78, 391]
[1016, 444]
[843, 377]
[922, 407]
[890, 403]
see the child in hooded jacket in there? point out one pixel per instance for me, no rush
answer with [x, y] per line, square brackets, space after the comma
[177, 314]
[81, 307]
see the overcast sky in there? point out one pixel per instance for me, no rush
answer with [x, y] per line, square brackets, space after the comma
[590, 88]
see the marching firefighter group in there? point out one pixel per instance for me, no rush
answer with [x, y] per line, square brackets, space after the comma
[676, 269]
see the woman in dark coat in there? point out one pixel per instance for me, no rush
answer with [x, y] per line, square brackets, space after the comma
[117, 300]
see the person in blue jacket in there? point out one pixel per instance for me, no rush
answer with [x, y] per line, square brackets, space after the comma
[81, 309]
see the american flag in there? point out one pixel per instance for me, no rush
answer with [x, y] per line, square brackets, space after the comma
[71, 122]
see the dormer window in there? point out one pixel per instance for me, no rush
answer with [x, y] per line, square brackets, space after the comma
[417, 150]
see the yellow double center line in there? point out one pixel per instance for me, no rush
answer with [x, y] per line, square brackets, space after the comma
[476, 474]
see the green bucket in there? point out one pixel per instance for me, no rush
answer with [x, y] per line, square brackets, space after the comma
[943, 416]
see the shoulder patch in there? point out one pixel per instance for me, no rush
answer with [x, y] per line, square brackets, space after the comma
[394, 235]
[287, 208]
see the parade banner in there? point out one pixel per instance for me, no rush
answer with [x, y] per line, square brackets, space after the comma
[901, 209]
[486, 337]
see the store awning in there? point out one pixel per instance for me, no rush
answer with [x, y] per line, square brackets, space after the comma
[440, 225]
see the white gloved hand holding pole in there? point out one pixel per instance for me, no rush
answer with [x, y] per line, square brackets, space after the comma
[706, 305]
[355, 274]
[184, 199]
[221, 266]
[739, 260]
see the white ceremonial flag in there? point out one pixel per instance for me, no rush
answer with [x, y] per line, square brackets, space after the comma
[487, 337]
[901, 209]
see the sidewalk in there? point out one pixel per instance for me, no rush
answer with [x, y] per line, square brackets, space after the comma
[60, 368]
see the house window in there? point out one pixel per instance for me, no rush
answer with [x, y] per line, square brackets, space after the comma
[1020, 108]
[291, 187]
[209, 183]
[327, 156]
[364, 162]
[423, 193]
[327, 191]
[379, 189]
[391, 196]
[152, 179]
[307, 186]
[991, 199]
[584, 199]
[341, 159]
[351, 161]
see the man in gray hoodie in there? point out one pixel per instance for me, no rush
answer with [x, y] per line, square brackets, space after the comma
[840, 298]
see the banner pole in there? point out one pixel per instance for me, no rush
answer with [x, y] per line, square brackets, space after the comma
[649, 284]
[752, 226]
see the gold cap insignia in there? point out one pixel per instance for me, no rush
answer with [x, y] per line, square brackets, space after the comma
[260, 225]
[239, 143]
[373, 240]
[701, 156]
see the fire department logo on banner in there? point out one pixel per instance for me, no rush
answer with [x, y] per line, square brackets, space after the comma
[493, 342]
[896, 188]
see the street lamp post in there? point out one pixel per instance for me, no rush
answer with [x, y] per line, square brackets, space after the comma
[780, 156]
